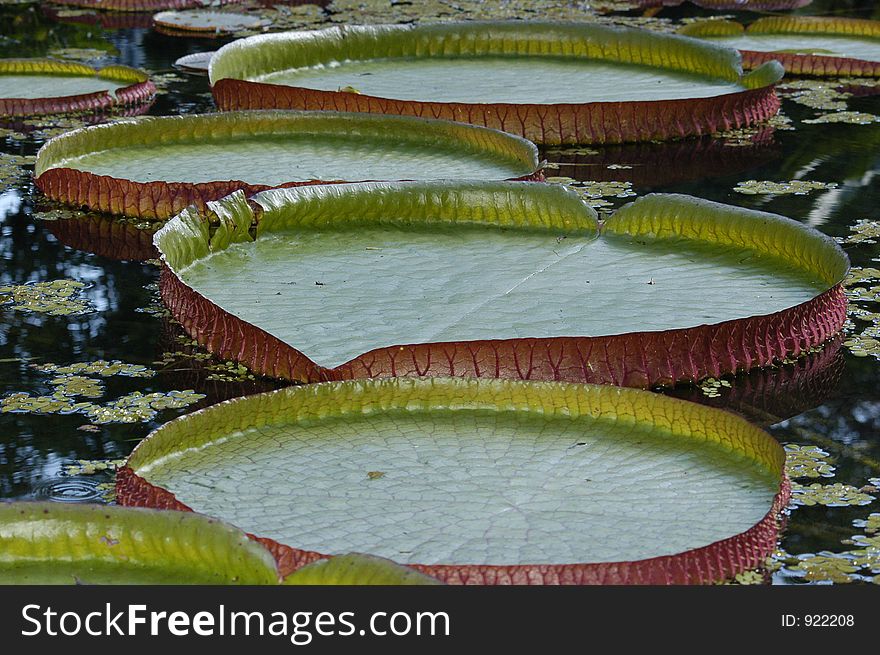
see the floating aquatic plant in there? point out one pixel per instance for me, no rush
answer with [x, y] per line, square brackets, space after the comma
[794, 187]
[802, 461]
[590, 83]
[828, 495]
[55, 298]
[278, 456]
[121, 168]
[501, 310]
[47, 86]
[804, 45]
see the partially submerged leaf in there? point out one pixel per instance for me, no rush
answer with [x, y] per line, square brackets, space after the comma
[123, 168]
[485, 480]
[498, 280]
[52, 543]
[550, 82]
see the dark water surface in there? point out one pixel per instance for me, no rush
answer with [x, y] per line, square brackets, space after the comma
[829, 400]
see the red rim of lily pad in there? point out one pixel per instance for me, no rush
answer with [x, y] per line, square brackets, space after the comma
[105, 236]
[587, 122]
[138, 90]
[794, 63]
[741, 5]
[138, 5]
[162, 199]
[713, 562]
[633, 359]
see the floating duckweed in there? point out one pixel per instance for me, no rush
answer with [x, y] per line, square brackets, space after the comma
[863, 232]
[11, 169]
[870, 524]
[796, 187]
[595, 193]
[55, 298]
[100, 367]
[93, 466]
[711, 387]
[229, 372]
[77, 385]
[807, 462]
[137, 407]
[826, 567]
[861, 288]
[572, 151]
[816, 94]
[850, 117]
[828, 495]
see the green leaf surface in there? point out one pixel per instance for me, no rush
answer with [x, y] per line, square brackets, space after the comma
[357, 569]
[339, 271]
[470, 471]
[52, 543]
[825, 45]
[53, 86]
[273, 148]
[542, 63]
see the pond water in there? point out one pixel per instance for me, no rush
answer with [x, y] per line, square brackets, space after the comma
[829, 401]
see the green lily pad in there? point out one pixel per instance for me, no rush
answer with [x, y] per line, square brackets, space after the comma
[204, 157]
[528, 476]
[47, 86]
[350, 275]
[196, 21]
[51, 543]
[806, 45]
[357, 569]
[535, 79]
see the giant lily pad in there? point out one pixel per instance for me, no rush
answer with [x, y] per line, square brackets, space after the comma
[202, 22]
[806, 45]
[154, 167]
[47, 86]
[140, 5]
[753, 5]
[49, 543]
[549, 82]
[478, 481]
[506, 279]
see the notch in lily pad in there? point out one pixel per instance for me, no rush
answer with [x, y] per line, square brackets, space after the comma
[549, 82]
[485, 481]
[31, 87]
[497, 279]
[124, 168]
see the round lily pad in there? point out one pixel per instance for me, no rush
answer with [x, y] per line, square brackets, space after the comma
[549, 82]
[481, 481]
[501, 279]
[46, 86]
[195, 63]
[139, 5]
[154, 167]
[739, 5]
[52, 543]
[203, 21]
[805, 45]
